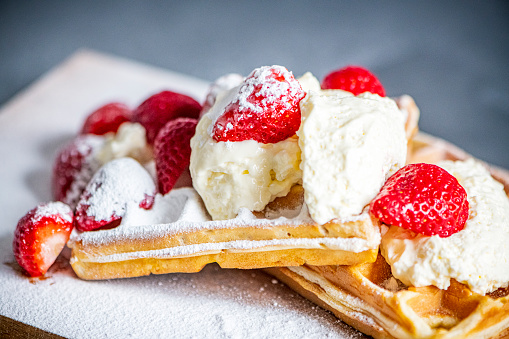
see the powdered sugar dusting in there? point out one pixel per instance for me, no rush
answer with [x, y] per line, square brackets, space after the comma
[356, 307]
[262, 83]
[56, 209]
[182, 211]
[350, 244]
[118, 182]
[267, 86]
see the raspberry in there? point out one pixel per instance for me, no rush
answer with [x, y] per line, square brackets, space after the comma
[118, 185]
[353, 79]
[423, 198]
[160, 108]
[74, 166]
[41, 235]
[106, 119]
[266, 109]
[172, 151]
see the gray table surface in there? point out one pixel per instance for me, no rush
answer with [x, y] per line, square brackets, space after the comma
[451, 56]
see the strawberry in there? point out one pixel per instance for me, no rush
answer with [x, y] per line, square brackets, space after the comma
[265, 109]
[41, 235]
[172, 151]
[160, 108]
[353, 79]
[74, 166]
[423, 198]
[106, 119]
[115, 187]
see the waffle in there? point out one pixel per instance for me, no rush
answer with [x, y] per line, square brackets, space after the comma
[282, 234]
[369, 298]
[188, 244]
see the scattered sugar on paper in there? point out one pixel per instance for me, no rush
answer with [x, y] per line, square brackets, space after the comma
[214, 303]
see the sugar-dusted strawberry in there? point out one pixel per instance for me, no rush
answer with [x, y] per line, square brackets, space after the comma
[107, 118]
[118, 185]
[172, 151]
[222, 84]
[160, 108]
[353, 79]
[74, 166]
[423, 198]
[41, 235]
[265, 109]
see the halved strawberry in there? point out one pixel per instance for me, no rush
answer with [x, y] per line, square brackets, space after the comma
[118, 185]
[423, 198]
[41, 235]
[160, 108]
[172, 151]
[353, 79]
[74, 166]
[107, 118]
[266, 108]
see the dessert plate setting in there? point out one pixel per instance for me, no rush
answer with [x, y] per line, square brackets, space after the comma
[159, 197]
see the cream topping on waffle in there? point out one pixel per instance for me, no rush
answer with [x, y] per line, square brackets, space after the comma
[243, 174]
[478, 255]
[182, 211]
[350, 146]
[129, 141]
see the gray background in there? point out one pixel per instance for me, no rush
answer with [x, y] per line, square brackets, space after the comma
[452, 56]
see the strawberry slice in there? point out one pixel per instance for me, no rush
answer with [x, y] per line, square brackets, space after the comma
[423, 198]
[74, 166]
[172, 150]
[160, 108]
[265, 109]
[41, 235]
[353, 79]
[107, 118]
[118, 185]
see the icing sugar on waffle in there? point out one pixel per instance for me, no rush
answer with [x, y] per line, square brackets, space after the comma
[183, 211]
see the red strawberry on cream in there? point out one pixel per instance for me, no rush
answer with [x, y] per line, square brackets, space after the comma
[423, 198]
[157, 110]
[353, 79]
[173, 151]
[117, 186]
[265, 108]
[475, 255]
[245, 153]
[107, 118]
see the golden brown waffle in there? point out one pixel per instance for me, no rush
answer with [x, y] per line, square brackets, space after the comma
[262, 242]
[369, 298]
[256, 243]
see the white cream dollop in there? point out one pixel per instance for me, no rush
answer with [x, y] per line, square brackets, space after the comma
[350, 146]
[477, 256]
[129, 141]
[243, 174]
